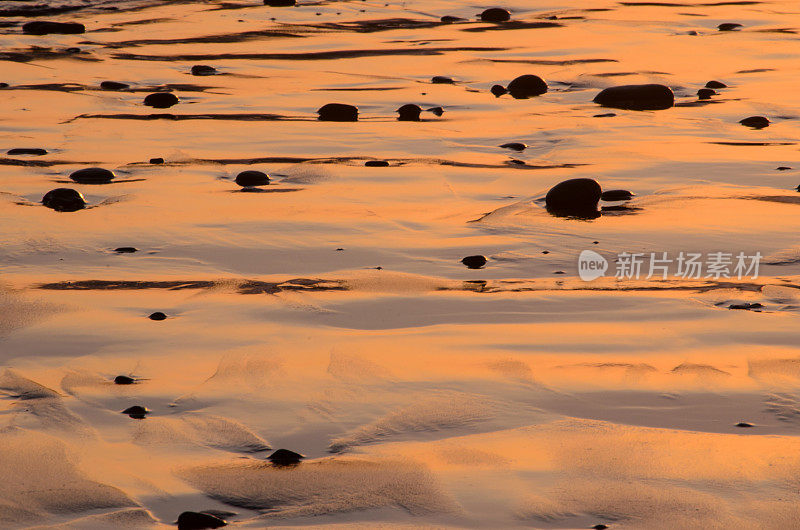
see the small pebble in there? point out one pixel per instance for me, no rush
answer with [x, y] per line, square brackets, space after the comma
[92, 175]
[447, 19]
[495, 14]
[755, 122]
[199, 521]
[156, 161]
[27, 151]
[782, 168]
[252, 178]
[744, 424]
[126, 250]
[3, 85]
[746, 305]
[376, 163]
[284, 457]
[516, 146]
[442, 80]
[526, 86]
[545, 252]
[706, 93]
[161, 100]
[600, 527]
[64, 200]
[606, 115]
[338, 112]
[728, 26]
[616, 195]
[498, 90]
[114, 85]
[202, 69]
[158, 315]
[124, 380]
[136, 412]
[474, 262]
[716, 84]
[279, 3]
[409, 112]
[44, 27]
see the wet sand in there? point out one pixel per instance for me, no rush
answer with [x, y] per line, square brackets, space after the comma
[328, 312]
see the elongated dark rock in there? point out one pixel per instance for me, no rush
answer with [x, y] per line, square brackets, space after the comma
[45, 27]
[156, 161]
[449, 19]
[252, 178]
[574, 197]
[636, 97]
[199, 521]
[716, 84]
[161, 100]
[126, 250]
[137, 412]
[616, 195]
[338, 112]
[442, 80]
[729, 26]
[526, 86]
[202, 69]
[474, 262]
[409, 112]
[124, 380]
[438, 111]
[64, 200]
[755, 122]
[516, 146]
[92, 175]
[284, 457]
[495, 14]
[114, 85]
[27, 151]
[158, 315]
[376, 163]
[279, 3]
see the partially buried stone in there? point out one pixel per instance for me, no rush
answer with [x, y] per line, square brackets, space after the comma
[27, 151]
[279, 3]
[442, 80]
[252, 178]
[338, 112]
[438, 111]
[746, 305]
[783, 168]
[448, 19]
[744, 424]
[516, 146]
[44, 27]
[136, 412]
[498, 90]
[284, 457]
[706, 93]
[755, 122]
[574, 197]
[636, 97]
[202, 69]
[376, 163]
[729, 26]
[495, 14]
[409, 112]
[3, 85]
[158, 315]
[474, 262]
[92, 175]
[600, 527]
[114, 85]
[716, 84]
[126, 250]
[156, 161]
[526, 86]
[616, 195]
[64, 200]
[161, 100]
[124, 380]
[199, 521]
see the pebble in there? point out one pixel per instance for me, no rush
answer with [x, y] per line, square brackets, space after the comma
[448, 19]
[526, 86]
[729, 26]
[409, 112]
[199, 521]
[158, 315]
[474, 262]
[284, 457]
[783, 168]
[27, 151]
[498, 90]
[438, 111]
[92, 175]
[755, 122]
[746, 305]
[338, 112]
[706, 93]
[156, 161]
[716, 84]
[744, 424]
[126, 250]
[616, 195]
[250, 178]
[64, 200]
[442, 80]
[516, 146]
[3, 85]
[495, 14]
[636, 97]
[376, 163]
[44, 27]
[279, 3]
[136, 412]
[600, 527]
[202, 69]
[114, 85]
[574, 197]
[124, 380]
[606, 115]
[161, 100]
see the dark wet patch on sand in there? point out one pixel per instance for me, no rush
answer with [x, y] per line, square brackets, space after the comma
[241, 286]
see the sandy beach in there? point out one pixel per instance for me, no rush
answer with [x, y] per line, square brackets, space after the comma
[326, 310]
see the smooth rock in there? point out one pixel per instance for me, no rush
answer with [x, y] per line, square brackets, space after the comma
[442, 80]
[729, 26]
[280, 3]
[252, 178]
[338, 112]
[783, 168]
[92, 175]
[126, 250]
[636, 97]
[3, 85]
[747, 305]
[376, 163]
[706, 93]
[755, 122]
[156, 161]
[136, 412]
[474, 262]
[516, 146]
[448, 19]
[526, 86]
[158, 315]
[574, 197]
[114, 85]
[744, 424]
[202, 69]
[161, 100]
[616, 195]
[44, 27]
[284, 457]
[409, 112]
[600, 527]
[495, 14]
[64, 200]
[716, 84]
[498, 90]
[199, 521]
[27, 151]
[124, 380]
[606, 115]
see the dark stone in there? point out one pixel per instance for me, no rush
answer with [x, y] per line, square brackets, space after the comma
[526, 86]
[158, 315]
[438, 111]
[202, 69]
[636, 97]
[495, 14]
[409, 112]
[27, 151]
[616, 195]
[338, 112]
[516, 162]
[3, 85]
[716, 84]
[798, 187]
[706, 93]
[44, 27]
[744, 424]
[474, 262]
[442, 80]
[114, 85]
[92, 175]
[728, 26]
[746, 305]
[755, 122]
[252, 178]
[126, 250]
[574, 197]
[136, 412]
[448, 19]
[376, 163]
[199, 520]
[161, 100]
[782, 168]
[124, 380]
[279, 3]
[284, 457]
[498, 90]
[73, 50]
[156, 161]
[600, 527]
[516, 146]
[64, 200]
